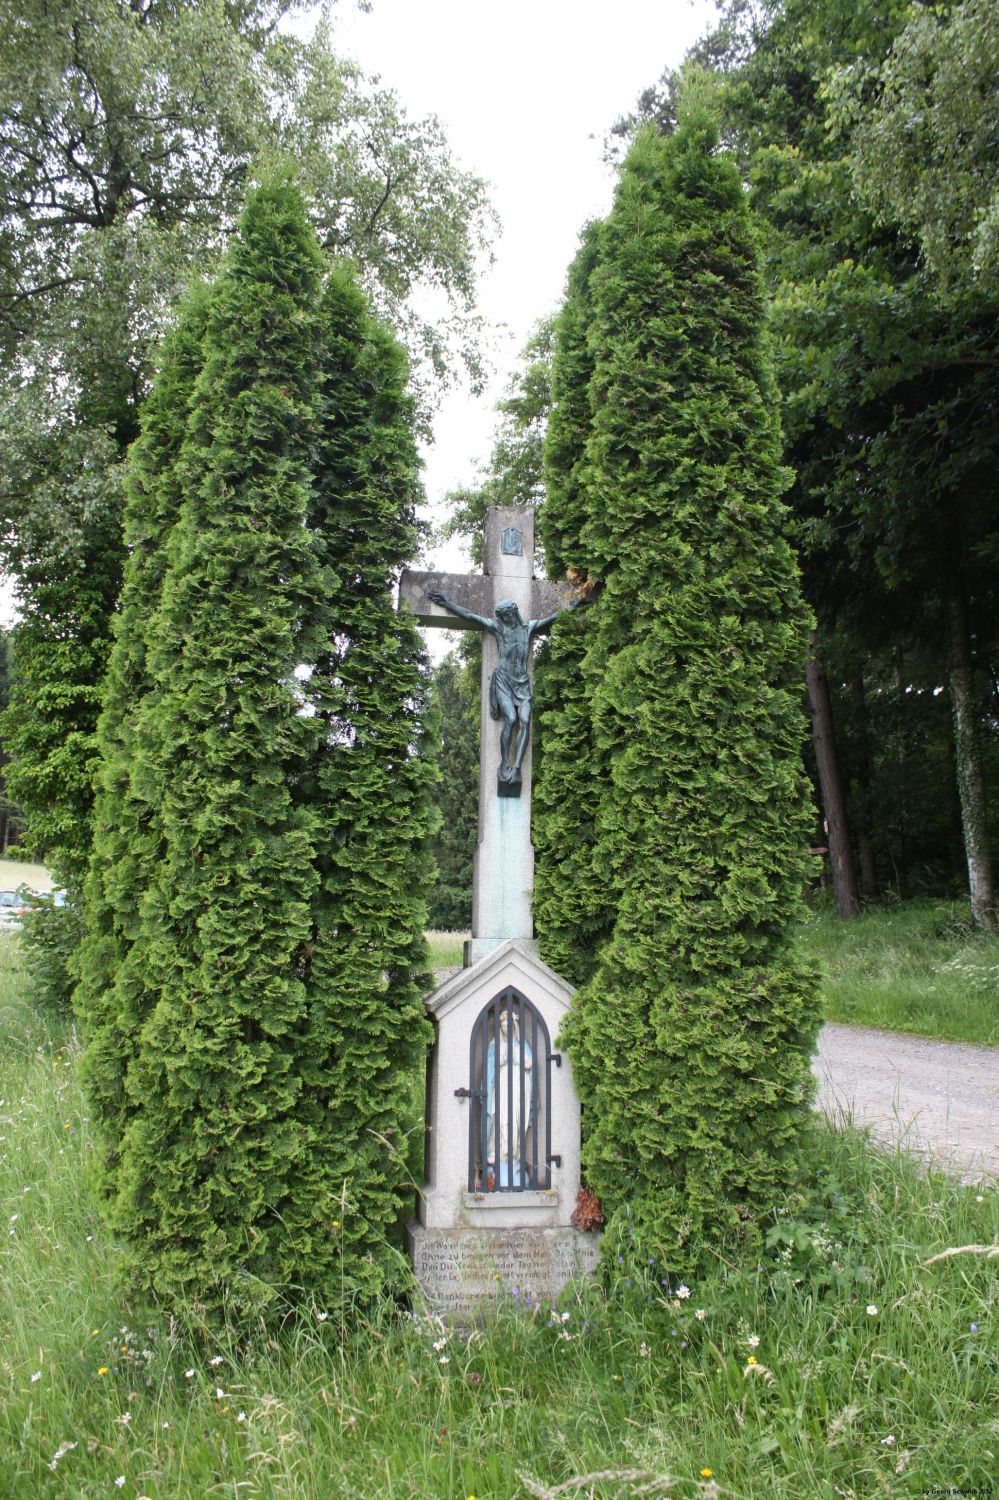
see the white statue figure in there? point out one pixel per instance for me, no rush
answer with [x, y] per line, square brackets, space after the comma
[498, 1155]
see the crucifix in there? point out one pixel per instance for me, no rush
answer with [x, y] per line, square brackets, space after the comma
[510, 606]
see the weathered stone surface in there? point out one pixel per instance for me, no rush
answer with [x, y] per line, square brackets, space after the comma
[477, 1238]
[474, 592]
[445, 1201]
[465, 1272]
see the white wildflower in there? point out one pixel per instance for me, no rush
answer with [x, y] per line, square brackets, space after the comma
[60, 1452]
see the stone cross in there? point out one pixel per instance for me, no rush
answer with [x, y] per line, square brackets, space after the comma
[503, 872]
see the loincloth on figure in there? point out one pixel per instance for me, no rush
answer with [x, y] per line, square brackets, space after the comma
[508, 692]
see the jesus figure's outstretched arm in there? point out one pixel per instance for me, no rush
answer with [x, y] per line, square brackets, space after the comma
[536, 626]
[436, 597]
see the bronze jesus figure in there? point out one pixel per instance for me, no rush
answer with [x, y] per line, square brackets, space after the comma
[510, 685]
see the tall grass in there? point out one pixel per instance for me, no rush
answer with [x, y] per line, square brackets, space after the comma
[15, 872]
[648, 1387]
[919, 967]
[447, 949]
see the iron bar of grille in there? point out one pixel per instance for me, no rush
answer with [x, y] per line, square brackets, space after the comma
[534, 1098]
[507, 1001]
[497, 1101]
[525, 1181]
[495, 1171]
[548, 1111]
[473, 1114]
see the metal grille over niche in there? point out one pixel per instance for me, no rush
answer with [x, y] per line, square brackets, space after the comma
[509, 1127]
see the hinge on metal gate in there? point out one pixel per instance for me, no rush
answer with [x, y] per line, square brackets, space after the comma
[469, 1094]
[556, 1058]
[554, 1161]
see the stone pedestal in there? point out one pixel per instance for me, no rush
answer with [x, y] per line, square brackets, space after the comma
[468, 1245]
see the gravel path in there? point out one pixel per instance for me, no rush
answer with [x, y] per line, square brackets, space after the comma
[939, 1099]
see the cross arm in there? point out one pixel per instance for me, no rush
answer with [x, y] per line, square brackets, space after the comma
[472, 592]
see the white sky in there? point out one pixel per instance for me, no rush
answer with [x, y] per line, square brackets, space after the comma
[526, 90]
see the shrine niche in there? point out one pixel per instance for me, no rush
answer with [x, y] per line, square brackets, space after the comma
[509, 1122]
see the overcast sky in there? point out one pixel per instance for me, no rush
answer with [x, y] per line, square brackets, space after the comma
[526, 90]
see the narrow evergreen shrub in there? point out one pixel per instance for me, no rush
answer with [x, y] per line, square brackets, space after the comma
[255, 957]
[573, 905]
[367, 783]
[691, 1040]
[114, 994]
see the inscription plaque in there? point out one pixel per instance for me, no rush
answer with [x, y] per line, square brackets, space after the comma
[465, 1271]
[512, 541]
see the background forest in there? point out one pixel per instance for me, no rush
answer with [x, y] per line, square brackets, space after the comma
[868, 137]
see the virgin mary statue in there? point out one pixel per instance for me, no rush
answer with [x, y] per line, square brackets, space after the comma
[503, 1105]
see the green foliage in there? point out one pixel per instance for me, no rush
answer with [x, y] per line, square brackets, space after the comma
[130, 133]
[924, 149]
[307, 1412]
[10, 815]
[252, 974]
[514, 475]
[456, 701]
[114, 996]
[888, 379]
[691, 1038]
[573, 905]
[366, 787]
[884, 354]
[51, 936]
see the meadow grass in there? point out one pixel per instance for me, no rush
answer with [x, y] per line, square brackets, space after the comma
[446, 949]
[15, 872]
[918, 967]
[776, 1373]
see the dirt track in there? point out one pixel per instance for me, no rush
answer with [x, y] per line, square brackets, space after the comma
[941, 1099]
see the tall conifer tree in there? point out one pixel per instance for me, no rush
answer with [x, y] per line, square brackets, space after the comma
[262, 832]
[691, 1041]
[572, 903]
[114, 995]
[367, 785]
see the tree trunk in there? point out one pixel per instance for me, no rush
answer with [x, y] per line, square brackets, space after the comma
[899, 852]
[865, 833]
[967, 756]
[831, 786]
